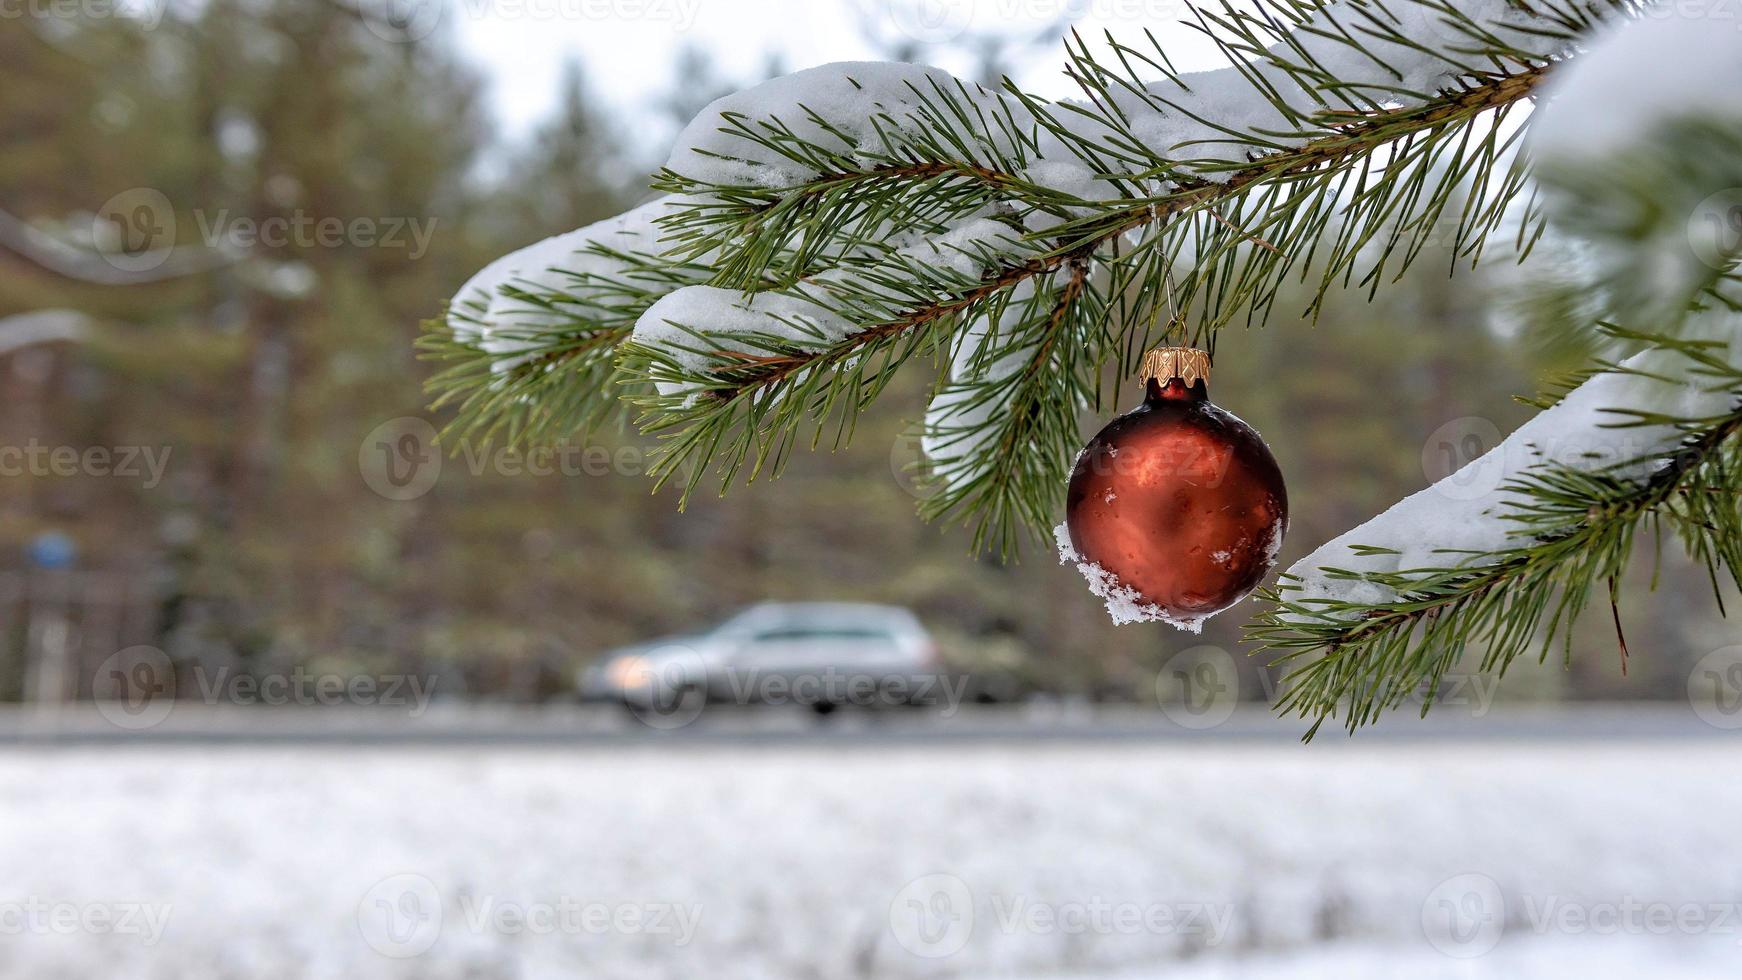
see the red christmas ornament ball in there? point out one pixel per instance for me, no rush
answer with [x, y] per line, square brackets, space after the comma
[1178, 504]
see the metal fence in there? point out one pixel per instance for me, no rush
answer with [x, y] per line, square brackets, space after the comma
[58, 627]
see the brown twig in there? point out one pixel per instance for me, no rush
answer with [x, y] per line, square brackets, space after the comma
[1254, 239]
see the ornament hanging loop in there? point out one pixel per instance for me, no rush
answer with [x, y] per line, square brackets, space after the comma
[1176, 335]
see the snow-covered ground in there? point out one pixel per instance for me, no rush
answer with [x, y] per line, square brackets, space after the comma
[1041, 860]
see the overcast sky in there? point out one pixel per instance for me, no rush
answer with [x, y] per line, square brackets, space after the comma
[628, 46]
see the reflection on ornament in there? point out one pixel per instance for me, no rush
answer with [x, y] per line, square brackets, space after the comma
[1177, 509]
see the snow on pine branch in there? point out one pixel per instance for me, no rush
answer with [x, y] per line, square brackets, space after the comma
[1343, 58]
[1467, 518]
[511, 306]
[999, 439]
[748, 170]
[827, 122]
[816, 218]
[1321, 66]
[788, 131]
[1624, 101]
[958, 420]
[699, 328]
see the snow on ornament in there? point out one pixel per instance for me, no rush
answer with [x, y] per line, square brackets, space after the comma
[1177, 509]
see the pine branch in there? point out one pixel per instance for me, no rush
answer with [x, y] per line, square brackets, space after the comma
[721, 404]
[820, 232]
[536, 361]
[999, 438]
[550, 393]
[1575, 528]
[1351, 144]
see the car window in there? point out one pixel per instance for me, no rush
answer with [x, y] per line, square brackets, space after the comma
[790, 633]
[747, 623]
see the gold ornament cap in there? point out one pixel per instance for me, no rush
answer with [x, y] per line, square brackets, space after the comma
[1188, 364]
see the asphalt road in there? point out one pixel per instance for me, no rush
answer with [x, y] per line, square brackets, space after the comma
[437, 724]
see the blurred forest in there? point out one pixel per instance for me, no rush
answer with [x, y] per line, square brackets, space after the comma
[262, 368]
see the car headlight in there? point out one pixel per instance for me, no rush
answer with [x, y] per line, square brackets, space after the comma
[627, 673]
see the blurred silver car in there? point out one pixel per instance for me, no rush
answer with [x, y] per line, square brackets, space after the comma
[820, 654]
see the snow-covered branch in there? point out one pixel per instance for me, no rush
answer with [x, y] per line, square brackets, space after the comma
[41, 327]
[65, 259]
[1469, 516]
[1633, 149]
